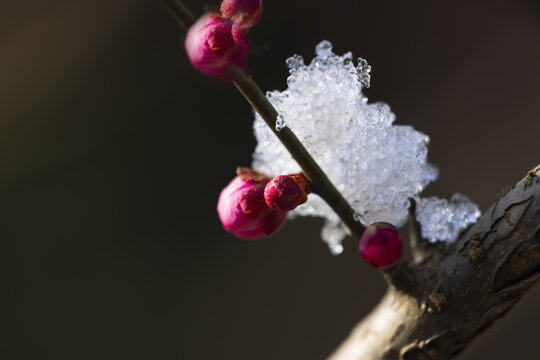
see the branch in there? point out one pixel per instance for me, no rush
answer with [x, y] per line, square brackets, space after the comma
[320, 184]
[451, 293]
[465, 287]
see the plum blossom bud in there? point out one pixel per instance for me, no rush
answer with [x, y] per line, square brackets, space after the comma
[286, 192]
[242, 209]
[381, 245]
[243, 13]
[211, 48]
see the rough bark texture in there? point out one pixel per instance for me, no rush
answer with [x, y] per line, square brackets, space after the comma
[435, 307]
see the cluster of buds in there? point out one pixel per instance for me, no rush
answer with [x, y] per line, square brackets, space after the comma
[218, 40]
[253, 205]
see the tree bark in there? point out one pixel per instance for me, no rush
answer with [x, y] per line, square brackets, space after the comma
[436, 306]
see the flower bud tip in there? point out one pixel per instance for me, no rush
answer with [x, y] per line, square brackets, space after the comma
[242, 209]
[381, 245]
[286, 192]
[244, 13]
[211, 48]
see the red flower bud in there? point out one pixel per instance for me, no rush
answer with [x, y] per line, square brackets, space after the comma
[243, 13]
[211, 48]
[286, 192]
[381, 245]
[242, 209]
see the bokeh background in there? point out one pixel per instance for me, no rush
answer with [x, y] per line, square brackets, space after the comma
[113, 151]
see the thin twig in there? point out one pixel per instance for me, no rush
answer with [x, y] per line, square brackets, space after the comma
[415, 241]
[179, 12]
[320, 183]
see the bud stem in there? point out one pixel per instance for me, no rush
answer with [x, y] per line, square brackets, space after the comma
[179, 12]
[320, 183]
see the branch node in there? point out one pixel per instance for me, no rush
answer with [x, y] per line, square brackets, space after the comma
[529, 178]
[437, 301]
[475, 249]
[403, 277]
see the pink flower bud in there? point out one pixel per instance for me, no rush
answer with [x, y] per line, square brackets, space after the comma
[242, 209]
[381, 245]
[286, 192]
[211, 48]
[243, 13]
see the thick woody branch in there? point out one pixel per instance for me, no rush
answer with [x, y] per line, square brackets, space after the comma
[465, 287]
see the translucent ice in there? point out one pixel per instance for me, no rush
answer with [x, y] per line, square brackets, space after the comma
[376, 165]
[441, 220]
[332, 233]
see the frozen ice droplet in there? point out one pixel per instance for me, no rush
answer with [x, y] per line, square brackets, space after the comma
[363, 70]
[433, 172]
[336, 249]
[280, 123]
[295, 62]
[347, 58]
[332, 234]
[324, 49]
[358, 217]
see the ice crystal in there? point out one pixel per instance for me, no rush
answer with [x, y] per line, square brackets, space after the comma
[376, 165]
[441, 220]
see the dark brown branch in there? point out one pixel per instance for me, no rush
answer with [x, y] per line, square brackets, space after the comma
[465, 288]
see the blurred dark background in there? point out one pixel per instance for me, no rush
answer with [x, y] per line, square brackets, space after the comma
[113, 151]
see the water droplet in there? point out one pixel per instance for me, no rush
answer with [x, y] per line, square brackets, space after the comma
[295, 62]
[324, 49]
[336, 249]
[363, 70]
[280, 123]
[347, 58]
[358, 217]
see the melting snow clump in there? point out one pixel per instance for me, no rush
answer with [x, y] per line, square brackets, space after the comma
[376, 165]
[441, 220]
